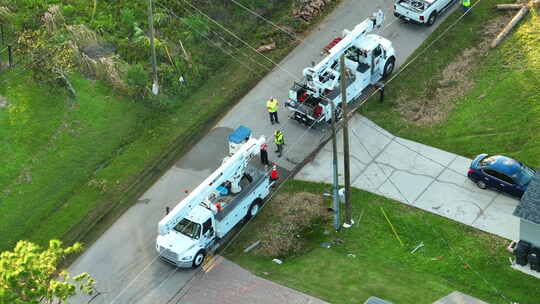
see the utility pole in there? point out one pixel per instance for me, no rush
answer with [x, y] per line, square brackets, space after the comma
[346, 161]
[155, 87]
[335, 197]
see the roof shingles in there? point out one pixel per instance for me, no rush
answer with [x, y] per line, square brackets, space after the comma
[529, 205]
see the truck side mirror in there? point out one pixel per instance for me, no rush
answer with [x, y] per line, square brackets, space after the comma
[167, 210]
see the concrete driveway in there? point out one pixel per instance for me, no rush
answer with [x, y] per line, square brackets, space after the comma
[124, 260]
[417, 175]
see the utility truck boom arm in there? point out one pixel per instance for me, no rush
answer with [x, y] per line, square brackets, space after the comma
[324, 76]
[232, 169]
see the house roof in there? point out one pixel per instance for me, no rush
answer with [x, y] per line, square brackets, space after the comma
[529, 205]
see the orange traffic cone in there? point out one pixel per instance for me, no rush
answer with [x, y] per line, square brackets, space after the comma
[274, 174]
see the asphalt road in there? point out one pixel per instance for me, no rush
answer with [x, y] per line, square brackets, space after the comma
[124, 261]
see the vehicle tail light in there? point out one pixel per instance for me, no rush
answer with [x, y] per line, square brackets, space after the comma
[471, 171]
[421, 18]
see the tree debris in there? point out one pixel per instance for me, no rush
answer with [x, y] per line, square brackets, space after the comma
[523, 10]
[310, 9]
[267, 47]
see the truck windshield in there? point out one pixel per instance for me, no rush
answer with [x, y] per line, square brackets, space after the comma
[189, 228]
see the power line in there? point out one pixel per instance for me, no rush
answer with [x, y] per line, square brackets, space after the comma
[208, 38]
[241, 40]
[312, 125]
[291, 34]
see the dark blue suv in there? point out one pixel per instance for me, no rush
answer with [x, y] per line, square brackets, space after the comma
[501, 173]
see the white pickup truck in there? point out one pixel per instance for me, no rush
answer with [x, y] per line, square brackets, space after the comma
[421, 11]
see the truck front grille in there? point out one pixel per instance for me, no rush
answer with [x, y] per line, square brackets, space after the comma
[168, 254]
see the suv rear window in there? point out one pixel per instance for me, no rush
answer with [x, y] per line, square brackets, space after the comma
[486, 161]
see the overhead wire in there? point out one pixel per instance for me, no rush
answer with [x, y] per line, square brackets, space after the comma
[241, 40]
[312, 125]
[353, 110]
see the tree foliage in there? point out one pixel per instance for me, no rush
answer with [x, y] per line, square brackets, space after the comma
[29, 274]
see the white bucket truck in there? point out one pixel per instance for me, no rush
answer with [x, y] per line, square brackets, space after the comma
[368, 59]
[233, 192]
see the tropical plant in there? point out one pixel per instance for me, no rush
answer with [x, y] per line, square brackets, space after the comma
[29, 275]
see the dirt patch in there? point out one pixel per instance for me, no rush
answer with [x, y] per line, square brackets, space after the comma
[293, 216]
[455, 80]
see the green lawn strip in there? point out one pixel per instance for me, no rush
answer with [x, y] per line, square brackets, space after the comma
[455, 257]
[88, 133]
[499, 115]
[28, 120]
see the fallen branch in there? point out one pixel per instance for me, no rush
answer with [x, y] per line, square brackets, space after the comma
[508, 28]
[508, 6]
[267, 47]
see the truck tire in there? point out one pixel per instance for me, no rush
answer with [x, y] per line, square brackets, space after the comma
[198, 259]
[389, 66]
[254, 208]
[432, 18]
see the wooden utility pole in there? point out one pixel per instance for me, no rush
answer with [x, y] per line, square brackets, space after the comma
[346, 161]
[335, 195]
[155, 87]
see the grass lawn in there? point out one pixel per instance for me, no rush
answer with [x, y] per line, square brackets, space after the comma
[497, 113]
[455, 257]
[71, 166]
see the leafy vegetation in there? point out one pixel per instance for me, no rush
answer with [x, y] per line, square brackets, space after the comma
[29, 274]
[70, 160]
[367, 260]
[497, 112]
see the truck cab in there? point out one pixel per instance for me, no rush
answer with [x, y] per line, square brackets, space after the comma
[187, 243]
[421, 11]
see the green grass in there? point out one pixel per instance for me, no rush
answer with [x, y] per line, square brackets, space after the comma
[71, 166]
[455, 257]
[499, 115]
[52, 145]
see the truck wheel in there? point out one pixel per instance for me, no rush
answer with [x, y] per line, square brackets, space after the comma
[199, 259]
[432, 18]
[254, 208]
[389, 66]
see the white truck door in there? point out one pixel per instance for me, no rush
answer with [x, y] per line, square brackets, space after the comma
[208, 233]
[377, 63]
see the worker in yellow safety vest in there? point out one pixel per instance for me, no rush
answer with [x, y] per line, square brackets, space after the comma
[272, 106]
[466, 4]
[278, 139]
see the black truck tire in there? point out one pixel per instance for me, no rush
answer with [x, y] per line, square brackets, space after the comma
[254, 208]
[389, 66]
[432, 18]
[198, 259]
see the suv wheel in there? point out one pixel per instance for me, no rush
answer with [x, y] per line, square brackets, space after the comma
[481, 184]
